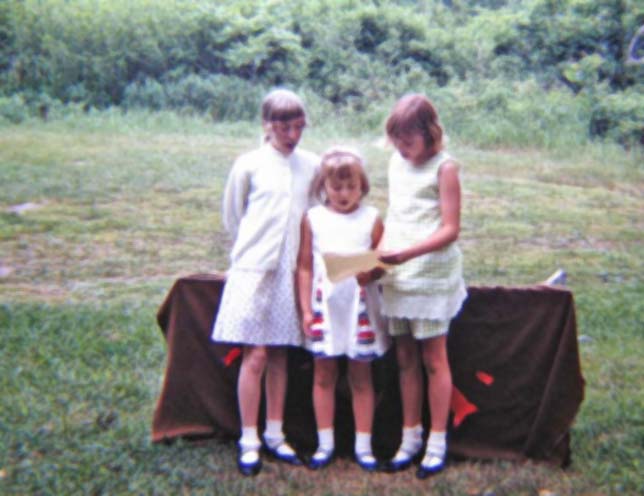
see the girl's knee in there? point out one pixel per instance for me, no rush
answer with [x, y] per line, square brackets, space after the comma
[359, 374]
[276, 359]
[325, 373]
[435, 357]
[255, 359]
[407, 354]
[276, 353]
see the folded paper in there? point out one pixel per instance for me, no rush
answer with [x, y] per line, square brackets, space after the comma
[340, 267]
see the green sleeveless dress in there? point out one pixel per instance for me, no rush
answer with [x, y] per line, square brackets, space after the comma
[430, 286]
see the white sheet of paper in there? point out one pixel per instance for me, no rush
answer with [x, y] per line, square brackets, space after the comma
[340, 267]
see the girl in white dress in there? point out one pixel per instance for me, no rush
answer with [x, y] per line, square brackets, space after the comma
[425, 289]
[267, 192]
[342, 318]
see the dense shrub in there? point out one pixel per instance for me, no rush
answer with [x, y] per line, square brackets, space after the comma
[217, 57]
[223, 97]
[13, 109]
[620, 117]
[493, 112]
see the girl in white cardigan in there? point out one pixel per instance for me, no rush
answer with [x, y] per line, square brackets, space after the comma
[266, 194]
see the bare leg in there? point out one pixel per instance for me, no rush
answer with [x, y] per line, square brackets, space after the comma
[411, 380]
[325, 376]
[276, 382]
[439, 389]
[249, 389]
[249, 384]
[362, 394]
[363, 401]
[439, 392]
[411, 394]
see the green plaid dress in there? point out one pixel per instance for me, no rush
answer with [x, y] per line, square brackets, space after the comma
[431, 286]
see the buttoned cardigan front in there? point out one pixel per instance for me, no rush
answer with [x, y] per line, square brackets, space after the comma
[265, 192]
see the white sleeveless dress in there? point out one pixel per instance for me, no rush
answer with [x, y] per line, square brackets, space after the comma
[347, 318]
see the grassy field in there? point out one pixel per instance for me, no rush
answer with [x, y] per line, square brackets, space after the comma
[100, 213]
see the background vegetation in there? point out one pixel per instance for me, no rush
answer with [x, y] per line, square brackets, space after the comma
[118, 124]
[101, 212]
[519, 65]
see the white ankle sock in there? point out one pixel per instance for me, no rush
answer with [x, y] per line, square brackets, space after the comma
[437, 444]
[249, 441]
[326, 441]
[412, 441]
[273, 434]
[363, 443]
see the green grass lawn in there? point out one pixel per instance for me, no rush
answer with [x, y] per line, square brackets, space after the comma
[115, 208]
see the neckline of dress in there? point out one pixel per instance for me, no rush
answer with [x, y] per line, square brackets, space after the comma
[275, 152]
[341, 214]
[428, 164]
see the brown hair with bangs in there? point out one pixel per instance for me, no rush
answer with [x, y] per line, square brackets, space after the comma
[282, 105]
[414, 113]
[339, 163]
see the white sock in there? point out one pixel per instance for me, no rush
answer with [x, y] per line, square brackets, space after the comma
[436, 445]
[326, 441]
[273, 434]
[249, 444]
[363, 443]
[412, 441]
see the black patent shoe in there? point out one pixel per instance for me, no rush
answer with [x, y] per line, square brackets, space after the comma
[278, 453]
[320, 459]
[248, 469]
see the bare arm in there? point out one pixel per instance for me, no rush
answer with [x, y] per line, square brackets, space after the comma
[450, 206]
[305, 274]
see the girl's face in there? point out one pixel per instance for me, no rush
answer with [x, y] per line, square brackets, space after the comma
[412, 147]
[344, 193]
[285, 135]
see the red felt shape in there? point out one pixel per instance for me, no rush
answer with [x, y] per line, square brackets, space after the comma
[461, 407]
[232, 355]
[485, 378]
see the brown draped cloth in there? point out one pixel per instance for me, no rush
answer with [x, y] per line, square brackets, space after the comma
[512, 350]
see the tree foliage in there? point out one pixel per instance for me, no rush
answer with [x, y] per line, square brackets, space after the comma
[218, 56]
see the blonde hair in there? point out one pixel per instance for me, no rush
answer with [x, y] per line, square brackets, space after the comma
[339, 163]
[282, 105]
[415, 113]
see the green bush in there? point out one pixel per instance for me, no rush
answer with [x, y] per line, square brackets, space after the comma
[217, 58]
[491, 113]
[22, 106]
[620, 117]
[222, 97]
[148, 94]
[13, 109]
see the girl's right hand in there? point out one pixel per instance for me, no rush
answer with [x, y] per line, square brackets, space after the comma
[307, 321]
[393, 257]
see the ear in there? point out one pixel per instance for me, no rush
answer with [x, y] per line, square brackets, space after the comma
[268, 128]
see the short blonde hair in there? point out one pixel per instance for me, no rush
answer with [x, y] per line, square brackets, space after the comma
[339, 163]
[282, 105]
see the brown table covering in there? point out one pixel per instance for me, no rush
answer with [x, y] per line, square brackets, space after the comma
[514, 358]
